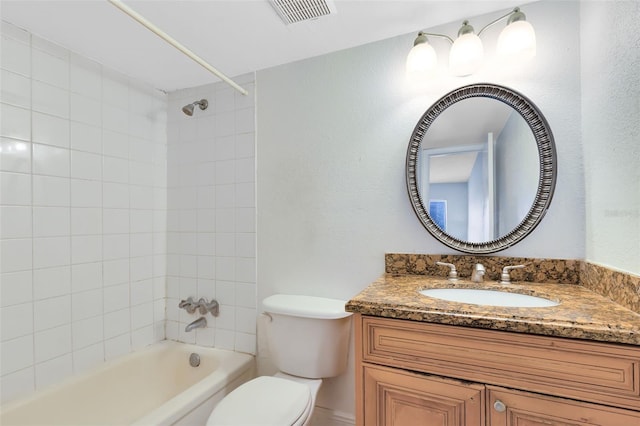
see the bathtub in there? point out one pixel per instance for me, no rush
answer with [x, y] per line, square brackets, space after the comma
[154, 386]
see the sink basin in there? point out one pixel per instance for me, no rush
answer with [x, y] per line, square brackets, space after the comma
[488, 297]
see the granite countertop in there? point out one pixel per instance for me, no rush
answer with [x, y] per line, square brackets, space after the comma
[581, 313]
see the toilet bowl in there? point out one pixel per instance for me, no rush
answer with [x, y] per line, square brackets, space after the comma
[308, 340]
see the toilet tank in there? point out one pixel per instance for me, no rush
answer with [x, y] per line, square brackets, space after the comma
[307, 336]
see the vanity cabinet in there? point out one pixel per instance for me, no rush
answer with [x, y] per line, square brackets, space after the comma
[410, 373]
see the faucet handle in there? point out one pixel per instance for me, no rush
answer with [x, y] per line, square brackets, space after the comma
[505, 278]
[202, 305]
[188, 305]
[205, 306]
[191, 306]
[453, 273]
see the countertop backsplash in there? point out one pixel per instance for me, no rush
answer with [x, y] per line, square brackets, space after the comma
[620, 287]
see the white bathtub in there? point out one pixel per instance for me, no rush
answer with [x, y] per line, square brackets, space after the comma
[155, 386]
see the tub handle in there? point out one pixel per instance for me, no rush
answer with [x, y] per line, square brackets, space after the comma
[188, 305]
[205, 307]
[201, 305]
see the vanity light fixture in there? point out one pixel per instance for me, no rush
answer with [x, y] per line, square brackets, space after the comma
[517, 42]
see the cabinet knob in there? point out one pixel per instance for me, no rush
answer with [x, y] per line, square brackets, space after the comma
[499, 406]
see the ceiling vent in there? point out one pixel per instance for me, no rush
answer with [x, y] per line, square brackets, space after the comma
[292, 11]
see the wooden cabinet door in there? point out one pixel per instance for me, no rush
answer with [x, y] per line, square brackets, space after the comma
[507, 407]
[394, 397]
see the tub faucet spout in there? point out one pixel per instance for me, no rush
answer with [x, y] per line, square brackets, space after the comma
[199, 323]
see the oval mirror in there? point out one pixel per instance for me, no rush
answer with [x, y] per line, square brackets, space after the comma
[481, 168]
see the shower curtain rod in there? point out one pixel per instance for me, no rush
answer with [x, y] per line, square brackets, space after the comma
[151, 27]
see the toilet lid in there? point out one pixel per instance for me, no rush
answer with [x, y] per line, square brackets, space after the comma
[263, 401]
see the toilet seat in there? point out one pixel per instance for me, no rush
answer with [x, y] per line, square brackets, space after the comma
[264, 401]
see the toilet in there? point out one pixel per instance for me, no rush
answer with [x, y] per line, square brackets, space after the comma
[308, 340]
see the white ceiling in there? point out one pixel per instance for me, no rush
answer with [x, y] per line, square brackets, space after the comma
[235, 36]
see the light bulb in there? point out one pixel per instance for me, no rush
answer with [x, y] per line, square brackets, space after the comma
[466, 55]
[517, 42]
[422, 58]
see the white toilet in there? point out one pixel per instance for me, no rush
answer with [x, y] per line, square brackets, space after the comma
[308, 340]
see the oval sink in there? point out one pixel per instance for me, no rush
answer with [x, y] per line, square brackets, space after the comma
[488, 297]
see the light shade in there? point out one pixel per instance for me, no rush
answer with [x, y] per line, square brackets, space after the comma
[517, 42]
[422, 58]
[466, 55]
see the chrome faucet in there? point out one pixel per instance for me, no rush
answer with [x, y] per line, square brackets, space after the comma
[199, 323]
[478, 273]
[191, 306]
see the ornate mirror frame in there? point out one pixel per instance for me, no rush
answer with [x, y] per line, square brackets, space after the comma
[546, 152]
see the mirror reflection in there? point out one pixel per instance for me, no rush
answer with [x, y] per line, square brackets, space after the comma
[481, 168]
[478, 168]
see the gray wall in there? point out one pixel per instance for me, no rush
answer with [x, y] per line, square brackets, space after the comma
[332, 133]
[611, 132]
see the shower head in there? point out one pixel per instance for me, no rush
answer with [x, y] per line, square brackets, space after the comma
[188, 109]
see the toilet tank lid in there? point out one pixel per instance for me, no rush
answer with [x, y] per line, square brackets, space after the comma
[305, 306]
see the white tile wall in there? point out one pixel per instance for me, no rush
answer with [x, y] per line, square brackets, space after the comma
[211, 215]
[89, 228]
[82, 212]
